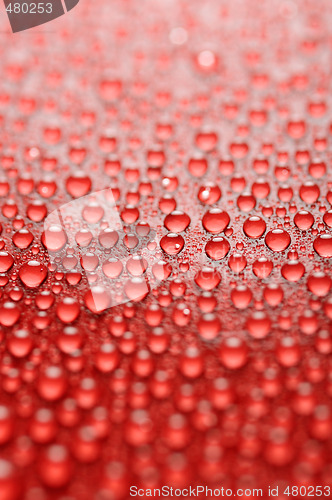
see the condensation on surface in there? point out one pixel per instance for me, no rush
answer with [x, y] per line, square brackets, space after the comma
[165, 251]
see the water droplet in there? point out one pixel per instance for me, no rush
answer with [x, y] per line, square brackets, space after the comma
[217, 248]
[209, 326]
[319, 284]
[136, 289]
[304, 220]
[172, 243]
[209, 193]
[277, 240]
[23, 238]
[78, 184]
[215, 220]
[233, 353]
[207, 278]
[68, 310]
[198, 166]
[241, 296]
[254, 227]
[293, 270]
[177, 221]
[97, 299]
[33, 273]
[259, 325]
[262, 267]
[54, 238]
[6, 261]
[323, 245]
[327, 218]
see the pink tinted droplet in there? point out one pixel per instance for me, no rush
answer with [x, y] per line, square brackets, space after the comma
[177, 221]
[209, 326]
[246, 202]
[262, 267]
[206, 141]
[172, 243]
[209, 194]
[217, 248]
[304, 220]
[23, 238]
[233, 353]
[259, 325]
[108, 238]
[277, 240]
[327, 218]
[32, 273]
[293, 270]
[215, 220]
[241, 296]
[323, 245]
[112, 268]
[309, 192]
[208, 278]
[6, 261]
[78, 184]
[319, 284]
[54, 238]
[197, 166]
[136, 289]
[254, 227]
[237, 262]
[97, 299]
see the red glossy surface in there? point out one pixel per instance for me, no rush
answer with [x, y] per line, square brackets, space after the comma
[165, 252]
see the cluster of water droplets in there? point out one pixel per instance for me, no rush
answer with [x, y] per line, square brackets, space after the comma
[165, 253]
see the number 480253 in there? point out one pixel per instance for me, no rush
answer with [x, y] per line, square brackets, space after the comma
[308, 491]
[29, 8]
